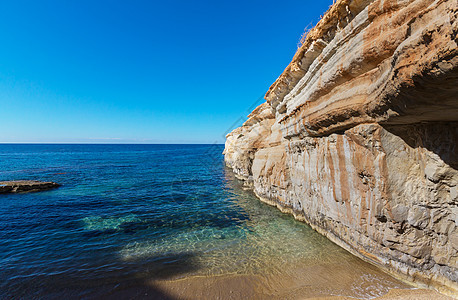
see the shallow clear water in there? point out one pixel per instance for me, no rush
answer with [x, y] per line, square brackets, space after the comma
[126, 214]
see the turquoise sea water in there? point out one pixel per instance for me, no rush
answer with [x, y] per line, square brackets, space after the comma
[126, 214]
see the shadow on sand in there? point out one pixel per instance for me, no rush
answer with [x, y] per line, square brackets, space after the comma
[125, 282]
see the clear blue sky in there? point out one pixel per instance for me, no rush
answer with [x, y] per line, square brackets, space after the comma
[140, 71]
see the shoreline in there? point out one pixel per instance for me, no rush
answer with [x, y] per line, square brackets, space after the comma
[419, 281]
[243, 286]
[416, 280]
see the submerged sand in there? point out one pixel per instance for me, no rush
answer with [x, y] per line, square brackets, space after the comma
[312, 282]
[260, 287]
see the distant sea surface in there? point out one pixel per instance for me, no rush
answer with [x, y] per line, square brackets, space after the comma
[129, 216]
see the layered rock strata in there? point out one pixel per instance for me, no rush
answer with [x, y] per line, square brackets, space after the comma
[358, 136]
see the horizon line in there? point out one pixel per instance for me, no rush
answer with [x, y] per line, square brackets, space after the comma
[84, 143]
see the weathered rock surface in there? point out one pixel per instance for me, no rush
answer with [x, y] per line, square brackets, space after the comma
[358, 136]
[21, 186]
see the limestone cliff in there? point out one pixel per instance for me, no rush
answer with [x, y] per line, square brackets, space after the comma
[358, 136]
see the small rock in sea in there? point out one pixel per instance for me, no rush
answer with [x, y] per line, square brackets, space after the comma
[22, 186]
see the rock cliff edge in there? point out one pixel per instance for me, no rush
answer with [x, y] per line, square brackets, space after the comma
[358, 136]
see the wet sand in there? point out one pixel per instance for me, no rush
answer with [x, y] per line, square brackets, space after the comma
[260, 287]
[331, 281]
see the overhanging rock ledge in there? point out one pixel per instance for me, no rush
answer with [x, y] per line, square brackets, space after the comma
[358, 136]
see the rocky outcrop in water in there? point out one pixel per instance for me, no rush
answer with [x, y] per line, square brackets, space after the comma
[23, 186]
[358, 136]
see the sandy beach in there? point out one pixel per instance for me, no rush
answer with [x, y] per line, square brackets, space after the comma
[260, 287]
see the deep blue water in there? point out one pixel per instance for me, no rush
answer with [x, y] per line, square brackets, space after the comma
[128, 214]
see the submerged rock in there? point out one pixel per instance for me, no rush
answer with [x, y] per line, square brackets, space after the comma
[21, 186]
[358, 136]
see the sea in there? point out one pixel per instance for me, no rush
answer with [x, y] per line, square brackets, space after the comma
[154, 222]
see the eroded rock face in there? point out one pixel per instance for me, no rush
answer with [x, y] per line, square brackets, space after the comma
[358, 136]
